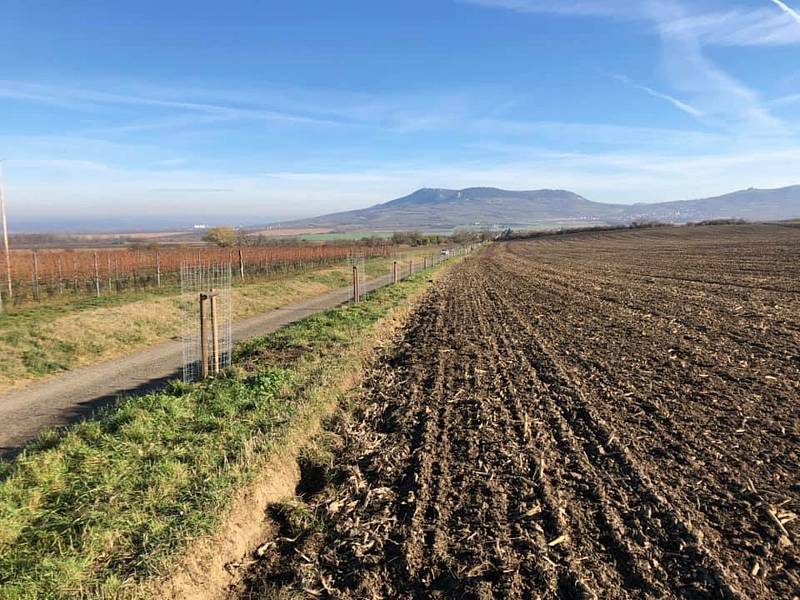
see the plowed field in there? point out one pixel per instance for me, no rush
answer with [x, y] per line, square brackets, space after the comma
[590, 416]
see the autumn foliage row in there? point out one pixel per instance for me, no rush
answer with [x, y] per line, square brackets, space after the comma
[56, 272]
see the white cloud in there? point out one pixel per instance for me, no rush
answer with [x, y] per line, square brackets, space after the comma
[85, 99]
[785, 100]
[172, 162]
[711, 89]
[59, 164]
[608, 8]
[631, 175]
[789, 11]
[735, 26]
[156, 108]
[684, 29]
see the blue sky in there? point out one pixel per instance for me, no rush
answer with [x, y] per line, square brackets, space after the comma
[257, 111]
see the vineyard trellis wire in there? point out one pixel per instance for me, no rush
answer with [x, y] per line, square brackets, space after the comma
[45, 274]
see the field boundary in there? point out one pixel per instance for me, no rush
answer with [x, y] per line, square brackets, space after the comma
[162, 469]
[209, 567]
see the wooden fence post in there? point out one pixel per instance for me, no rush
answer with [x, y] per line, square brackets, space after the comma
[96, 277]
[241, 264]
[410, 268]
[425, 263]
[203, 337]
[158, 269]
[209, 363]
[356, 290]
[35, 281]
[394, 272]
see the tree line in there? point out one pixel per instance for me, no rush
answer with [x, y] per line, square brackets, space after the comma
[228, 237]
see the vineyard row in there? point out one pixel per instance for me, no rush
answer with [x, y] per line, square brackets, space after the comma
[40, 275]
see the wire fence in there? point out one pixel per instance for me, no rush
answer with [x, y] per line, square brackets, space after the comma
[42, 275]
[207, 323]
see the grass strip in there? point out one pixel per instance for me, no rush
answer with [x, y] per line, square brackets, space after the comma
[96, 510]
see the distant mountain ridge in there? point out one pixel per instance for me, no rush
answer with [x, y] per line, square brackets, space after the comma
[751, 205]
[435, 208]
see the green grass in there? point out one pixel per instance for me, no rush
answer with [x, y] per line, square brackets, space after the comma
[40, 361]
[52, 308]
[96, 510]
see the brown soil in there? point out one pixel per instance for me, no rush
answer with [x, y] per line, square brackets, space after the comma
[594, 416]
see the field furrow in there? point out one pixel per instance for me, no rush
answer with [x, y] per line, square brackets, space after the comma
[597, 416]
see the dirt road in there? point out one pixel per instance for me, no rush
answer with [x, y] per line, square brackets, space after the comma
[612, 416]
[76, 394]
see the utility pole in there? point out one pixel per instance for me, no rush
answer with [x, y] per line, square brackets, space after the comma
[5, 232]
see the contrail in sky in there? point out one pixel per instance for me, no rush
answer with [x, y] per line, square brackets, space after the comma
[687, 108]
[789, 11]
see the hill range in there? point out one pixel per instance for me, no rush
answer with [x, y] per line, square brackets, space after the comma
[439, 209]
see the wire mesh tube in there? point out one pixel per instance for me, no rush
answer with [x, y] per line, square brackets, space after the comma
[206, 307]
